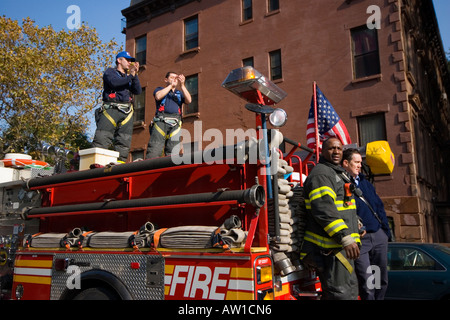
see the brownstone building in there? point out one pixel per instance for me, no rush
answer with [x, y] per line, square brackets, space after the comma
[380, 63]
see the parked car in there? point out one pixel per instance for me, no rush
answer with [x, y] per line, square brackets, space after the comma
[418, 271]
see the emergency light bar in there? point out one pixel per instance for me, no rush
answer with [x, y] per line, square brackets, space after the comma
[245, 82]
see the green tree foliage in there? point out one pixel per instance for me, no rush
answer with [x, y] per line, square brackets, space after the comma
[49, 84]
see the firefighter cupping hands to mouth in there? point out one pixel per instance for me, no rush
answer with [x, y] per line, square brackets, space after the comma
[166, 127]
[115, 118]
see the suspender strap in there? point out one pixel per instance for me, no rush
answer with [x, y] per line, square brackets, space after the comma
[344, 261]
[171, 134]
[125, 121]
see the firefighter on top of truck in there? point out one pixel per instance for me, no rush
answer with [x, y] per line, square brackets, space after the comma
[115, 118]
[166, 127]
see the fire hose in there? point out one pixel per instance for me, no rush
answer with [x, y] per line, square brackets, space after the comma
[254, 196]
[228, 235]
[81, 238]
[239, 151]
[137, 239]
[287, 221]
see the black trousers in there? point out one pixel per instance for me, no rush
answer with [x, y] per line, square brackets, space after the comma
[115, 128]
[337, 282]
[163, 138]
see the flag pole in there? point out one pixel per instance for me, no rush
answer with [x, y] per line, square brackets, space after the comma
[316, 125]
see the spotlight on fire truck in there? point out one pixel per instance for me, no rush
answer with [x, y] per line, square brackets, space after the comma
[278, 118]
[249, 84]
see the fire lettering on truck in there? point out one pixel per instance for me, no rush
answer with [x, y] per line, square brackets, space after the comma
[205, 282]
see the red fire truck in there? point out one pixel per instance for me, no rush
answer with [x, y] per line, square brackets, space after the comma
[161, 229]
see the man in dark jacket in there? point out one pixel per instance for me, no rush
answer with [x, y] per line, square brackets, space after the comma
[371, 267]
[331, 240]
[165, 131]
[115, 118]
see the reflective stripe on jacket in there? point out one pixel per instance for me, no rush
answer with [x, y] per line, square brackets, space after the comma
[330, 216]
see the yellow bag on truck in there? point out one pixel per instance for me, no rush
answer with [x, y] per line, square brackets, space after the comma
[379, 157]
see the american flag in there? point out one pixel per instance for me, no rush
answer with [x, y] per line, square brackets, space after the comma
[328, 121]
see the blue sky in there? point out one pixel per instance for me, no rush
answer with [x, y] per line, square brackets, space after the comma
[105, 15]
[442, 8]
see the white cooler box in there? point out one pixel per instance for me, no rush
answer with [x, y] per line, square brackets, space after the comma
[96, 156]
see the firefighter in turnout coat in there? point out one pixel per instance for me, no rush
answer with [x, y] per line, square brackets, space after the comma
[331, 240]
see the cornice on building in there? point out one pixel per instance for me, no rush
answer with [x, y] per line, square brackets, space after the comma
[427, 30]
[435, 39]
[146, 10]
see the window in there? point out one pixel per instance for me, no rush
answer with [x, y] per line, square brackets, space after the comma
[424, 152]
[371, 128]
[409, 258]
[248, 62]
[137, 155]
[366, 60]
[139, 107]
[275, 65]
[247, 10]
[191, 33]
[141, 50]
[273, 5]
[192, 87]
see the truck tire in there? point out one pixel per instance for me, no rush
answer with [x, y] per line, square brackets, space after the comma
[98, 293]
